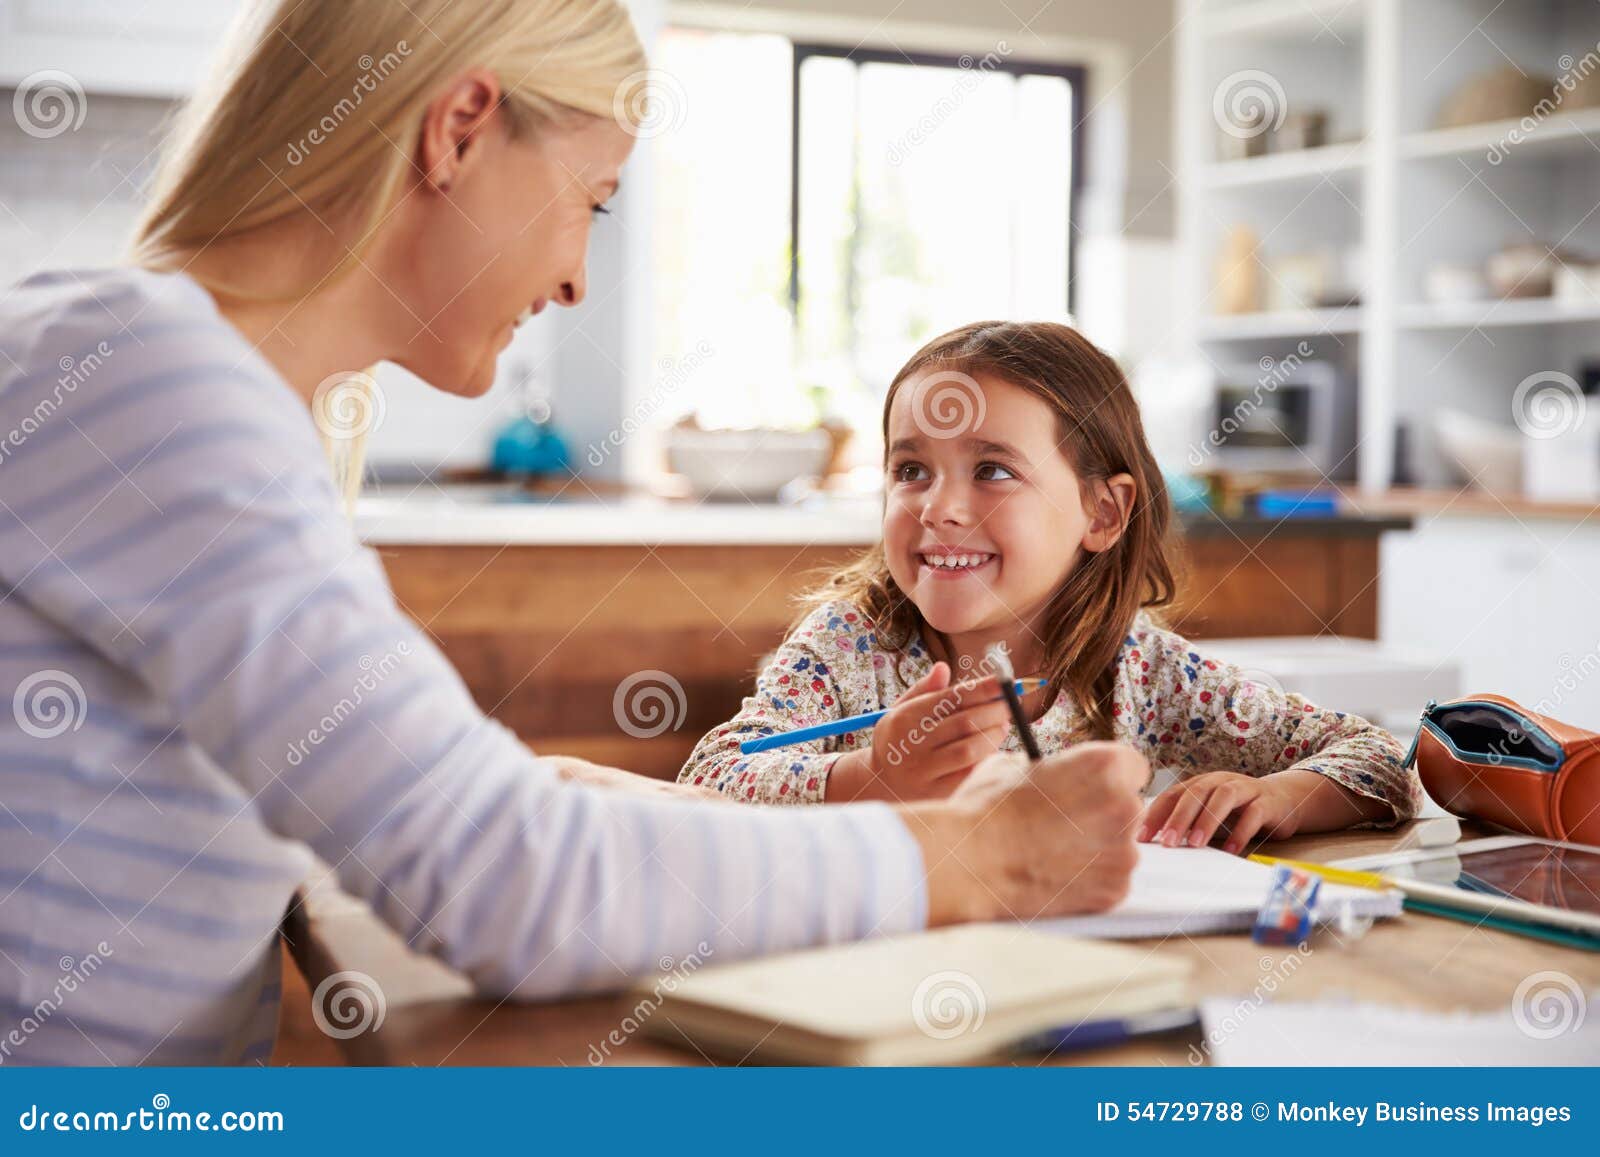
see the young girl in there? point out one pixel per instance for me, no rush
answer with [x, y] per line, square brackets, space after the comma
[1023, 508]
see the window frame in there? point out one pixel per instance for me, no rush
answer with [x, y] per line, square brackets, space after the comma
[1076, 76]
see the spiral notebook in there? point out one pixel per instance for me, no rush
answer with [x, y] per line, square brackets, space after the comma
[1202, 891]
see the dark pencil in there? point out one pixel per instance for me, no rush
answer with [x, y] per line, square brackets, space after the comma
[1008, 687]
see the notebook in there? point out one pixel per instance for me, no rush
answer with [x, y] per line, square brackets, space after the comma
[945, 997]
[1200, 891]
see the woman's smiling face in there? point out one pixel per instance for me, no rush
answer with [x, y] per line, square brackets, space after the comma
[982, 522]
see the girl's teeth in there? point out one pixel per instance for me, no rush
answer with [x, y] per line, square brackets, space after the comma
[527, 312]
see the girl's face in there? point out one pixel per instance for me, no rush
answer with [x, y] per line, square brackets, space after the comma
[984, 518]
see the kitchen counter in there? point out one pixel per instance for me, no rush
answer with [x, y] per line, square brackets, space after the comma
[507, 516]
[556, 609]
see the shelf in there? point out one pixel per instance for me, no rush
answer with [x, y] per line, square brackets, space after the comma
[1282, 323]
[1510, 312]
[1563, 132]
[1335, 19]
[1327, 161]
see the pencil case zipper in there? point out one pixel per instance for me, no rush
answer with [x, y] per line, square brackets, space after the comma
[1524, 724]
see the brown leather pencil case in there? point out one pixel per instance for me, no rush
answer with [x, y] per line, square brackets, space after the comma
[1487, 757]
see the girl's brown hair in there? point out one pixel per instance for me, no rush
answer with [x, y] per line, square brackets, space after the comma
[1099, 430]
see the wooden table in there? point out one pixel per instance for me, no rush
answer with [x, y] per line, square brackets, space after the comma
[432, 1019]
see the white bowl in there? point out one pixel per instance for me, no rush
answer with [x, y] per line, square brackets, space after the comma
[749, 464]
[1484, 453]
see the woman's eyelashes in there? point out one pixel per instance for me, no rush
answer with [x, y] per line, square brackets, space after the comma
[599, 210]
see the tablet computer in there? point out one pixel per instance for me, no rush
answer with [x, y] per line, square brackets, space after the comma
[1519, 877]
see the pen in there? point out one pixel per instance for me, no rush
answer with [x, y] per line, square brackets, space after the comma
[1001, 662]
[853, 723]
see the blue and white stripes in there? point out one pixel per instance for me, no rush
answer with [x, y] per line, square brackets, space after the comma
[209, 677]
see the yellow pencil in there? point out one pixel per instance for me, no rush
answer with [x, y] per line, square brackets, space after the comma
[1331, 874]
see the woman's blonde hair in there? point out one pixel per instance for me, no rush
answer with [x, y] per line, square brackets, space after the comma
[1099, 430]
[315, 108]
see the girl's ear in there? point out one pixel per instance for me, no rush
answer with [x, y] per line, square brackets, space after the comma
[1110, 506]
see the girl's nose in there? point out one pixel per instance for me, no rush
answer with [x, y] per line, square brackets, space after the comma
[946, 505]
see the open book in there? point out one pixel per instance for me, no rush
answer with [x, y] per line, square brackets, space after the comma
[1197, 891]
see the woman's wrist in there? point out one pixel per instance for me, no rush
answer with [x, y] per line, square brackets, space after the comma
[956, 864]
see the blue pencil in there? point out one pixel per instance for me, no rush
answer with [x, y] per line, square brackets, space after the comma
[840, 726]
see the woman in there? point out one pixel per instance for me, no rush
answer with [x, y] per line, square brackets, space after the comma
[211, 676]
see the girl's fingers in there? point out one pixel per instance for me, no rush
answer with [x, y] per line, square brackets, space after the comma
[1155, 816]
[1183, 814]
[1246, 827]
[946, 700]
[984, 719]
[1218, 806]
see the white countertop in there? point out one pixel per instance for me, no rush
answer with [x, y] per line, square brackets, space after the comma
[436, 516]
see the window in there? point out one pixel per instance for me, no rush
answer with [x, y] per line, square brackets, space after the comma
[824, 211]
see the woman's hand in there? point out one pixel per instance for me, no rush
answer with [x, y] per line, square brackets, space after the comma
[1018, 841]
[1242, 807]
[932, 737]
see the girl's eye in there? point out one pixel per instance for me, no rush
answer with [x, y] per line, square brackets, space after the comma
[994, 472]
[909, 472]
[599, 210]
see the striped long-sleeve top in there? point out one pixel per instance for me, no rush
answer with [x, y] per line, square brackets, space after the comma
[209, 679]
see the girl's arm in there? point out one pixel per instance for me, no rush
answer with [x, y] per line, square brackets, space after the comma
[804, 684]
[1185, 710]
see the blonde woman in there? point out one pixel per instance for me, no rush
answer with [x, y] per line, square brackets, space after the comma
[210, 677]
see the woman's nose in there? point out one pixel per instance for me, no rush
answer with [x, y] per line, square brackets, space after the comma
[572, 291]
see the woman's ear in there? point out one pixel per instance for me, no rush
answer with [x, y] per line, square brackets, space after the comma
[1110, 506]
[452, 125]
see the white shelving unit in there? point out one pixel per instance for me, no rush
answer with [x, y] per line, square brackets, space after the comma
[1407, 194]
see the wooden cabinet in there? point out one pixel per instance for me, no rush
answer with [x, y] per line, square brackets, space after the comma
[626, 655]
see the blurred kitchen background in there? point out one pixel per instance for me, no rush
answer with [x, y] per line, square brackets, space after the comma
[1347, 250]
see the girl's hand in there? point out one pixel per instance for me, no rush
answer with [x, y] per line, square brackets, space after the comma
[1244, 806]
[1241, 807]
[932, 737]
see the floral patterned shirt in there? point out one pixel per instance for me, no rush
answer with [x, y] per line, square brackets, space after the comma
[1183, 710]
